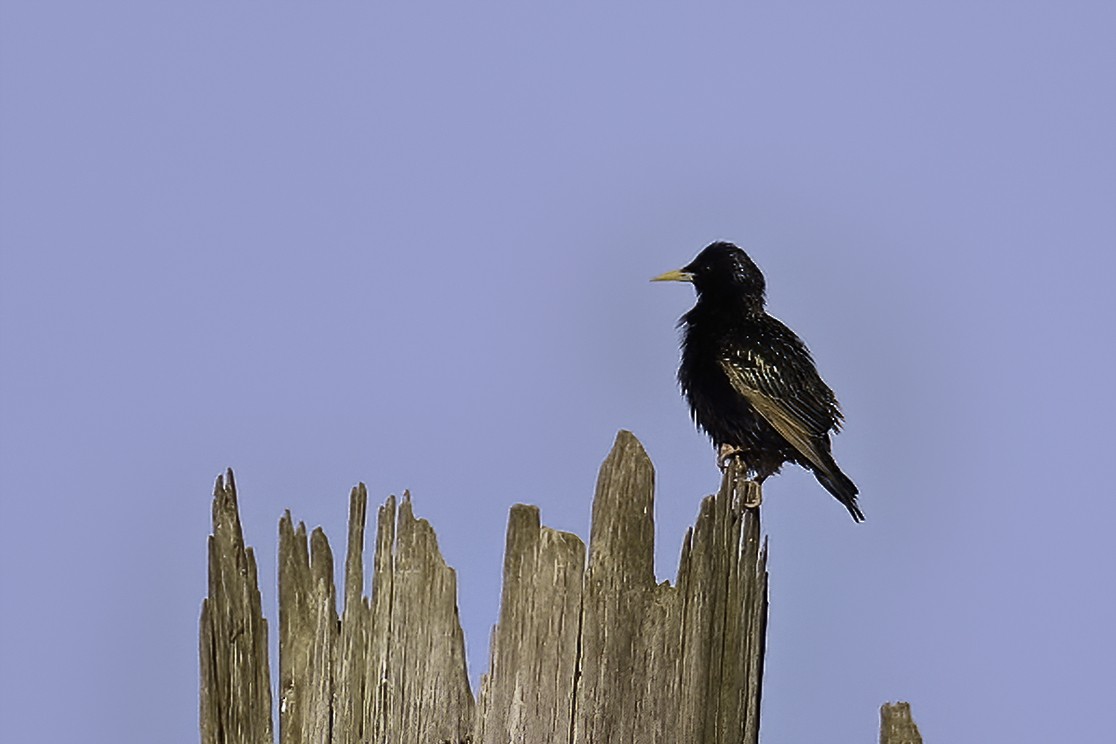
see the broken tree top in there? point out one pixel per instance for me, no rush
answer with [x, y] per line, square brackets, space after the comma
[588, 646]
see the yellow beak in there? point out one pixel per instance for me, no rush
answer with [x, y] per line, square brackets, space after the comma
[674, 276]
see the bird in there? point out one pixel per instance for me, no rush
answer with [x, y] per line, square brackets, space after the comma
[750, 381]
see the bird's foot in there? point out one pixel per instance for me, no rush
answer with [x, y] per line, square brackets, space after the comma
[754, 500]
[725, 455]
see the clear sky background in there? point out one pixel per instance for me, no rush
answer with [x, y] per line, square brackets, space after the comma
[411, 247]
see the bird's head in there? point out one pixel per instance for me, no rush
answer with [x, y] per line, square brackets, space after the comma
[722, 272]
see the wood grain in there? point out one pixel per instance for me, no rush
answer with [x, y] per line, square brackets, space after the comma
[588, 648]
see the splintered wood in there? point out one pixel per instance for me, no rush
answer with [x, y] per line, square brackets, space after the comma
[235, 683]
[585, 651]
[392, 667]
[609, 655]
[897, 726]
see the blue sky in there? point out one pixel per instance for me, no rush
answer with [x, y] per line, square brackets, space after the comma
[411, 246]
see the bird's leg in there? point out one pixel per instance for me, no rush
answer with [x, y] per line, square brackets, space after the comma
[753, 502]
[725, 454]
[763, 467]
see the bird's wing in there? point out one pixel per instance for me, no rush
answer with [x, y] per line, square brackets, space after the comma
[787, 392]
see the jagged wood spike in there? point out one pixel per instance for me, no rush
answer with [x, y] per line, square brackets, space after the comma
[308, 630]
[351, 660]
[428, 685]
[897, 726]
[378, 700]
[235, 686]
[528, 691]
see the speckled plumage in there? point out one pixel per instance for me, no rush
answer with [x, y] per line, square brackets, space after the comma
[750, 381]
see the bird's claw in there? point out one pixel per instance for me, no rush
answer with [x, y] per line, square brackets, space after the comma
[754, 502]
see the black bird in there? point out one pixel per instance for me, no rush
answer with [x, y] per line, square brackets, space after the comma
[750, 381]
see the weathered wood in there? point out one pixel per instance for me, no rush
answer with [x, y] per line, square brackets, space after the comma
[655, 662]
[626, 686]
[307, 634]
[528, 692]
[353, 666]
[583, 652]
[897, 726]
[430, 699]
[235, 695]
[392, 667]
[665, 663]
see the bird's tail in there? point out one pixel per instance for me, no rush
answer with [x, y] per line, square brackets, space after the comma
[843, 489]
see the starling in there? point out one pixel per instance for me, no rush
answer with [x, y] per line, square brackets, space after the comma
[750, 381]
